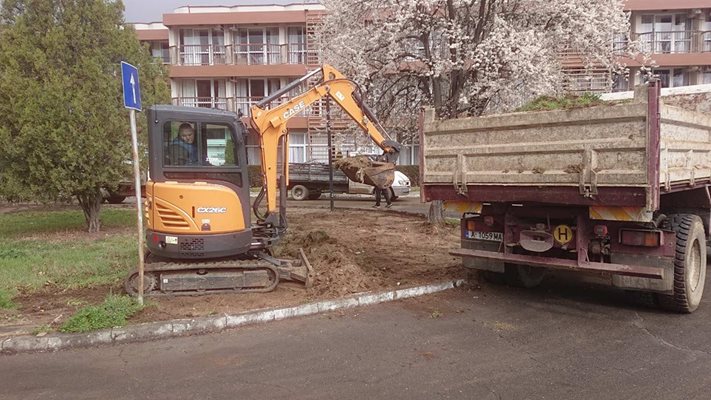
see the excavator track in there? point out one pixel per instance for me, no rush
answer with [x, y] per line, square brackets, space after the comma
[261, 274]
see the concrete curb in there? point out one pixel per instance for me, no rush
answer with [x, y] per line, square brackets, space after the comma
[183, 327]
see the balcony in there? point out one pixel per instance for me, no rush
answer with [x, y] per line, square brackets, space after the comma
[221, 103]
[669, 42]
[581, 81]
[705, 41]
[239, 54]
[232, 103]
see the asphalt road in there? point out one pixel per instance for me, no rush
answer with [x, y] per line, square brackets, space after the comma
[560, 341]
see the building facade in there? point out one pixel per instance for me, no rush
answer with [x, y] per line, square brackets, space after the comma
[677, 35]
[232, 57]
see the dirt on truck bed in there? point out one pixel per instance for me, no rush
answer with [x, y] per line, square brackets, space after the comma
[351, 251]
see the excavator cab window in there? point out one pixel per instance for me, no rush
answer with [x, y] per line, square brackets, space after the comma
[181, 143]
[201, 150]
[198, 145]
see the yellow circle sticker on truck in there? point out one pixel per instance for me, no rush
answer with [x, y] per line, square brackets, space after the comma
[562, 234]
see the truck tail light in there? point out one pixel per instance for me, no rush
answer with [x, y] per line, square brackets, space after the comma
[471, 225]
[636, 237]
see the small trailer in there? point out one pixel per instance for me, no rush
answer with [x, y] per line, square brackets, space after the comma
[618, 193]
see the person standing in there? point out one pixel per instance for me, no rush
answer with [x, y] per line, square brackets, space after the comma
[379, 193]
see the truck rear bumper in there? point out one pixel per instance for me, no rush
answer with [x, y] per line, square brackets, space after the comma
[558, 263]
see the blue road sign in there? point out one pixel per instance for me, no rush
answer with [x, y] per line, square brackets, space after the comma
[131, 88]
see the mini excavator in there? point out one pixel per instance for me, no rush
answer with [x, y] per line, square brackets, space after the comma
[200, 235]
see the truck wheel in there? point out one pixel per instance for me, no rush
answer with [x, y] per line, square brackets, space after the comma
[496, 278]
[314, 194]
[523, 275]
[689, 265]
[299, 192]
[116, 199]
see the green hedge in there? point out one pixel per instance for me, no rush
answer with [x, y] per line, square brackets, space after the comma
[412, 172]
[255, 176]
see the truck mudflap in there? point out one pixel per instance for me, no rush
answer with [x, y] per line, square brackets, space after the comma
[558, 263]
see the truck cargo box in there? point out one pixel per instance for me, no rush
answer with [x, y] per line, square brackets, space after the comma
[619, 155]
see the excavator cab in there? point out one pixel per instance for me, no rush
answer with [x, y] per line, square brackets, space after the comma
[198, 193]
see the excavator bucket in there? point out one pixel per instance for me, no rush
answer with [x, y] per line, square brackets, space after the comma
[364, 170]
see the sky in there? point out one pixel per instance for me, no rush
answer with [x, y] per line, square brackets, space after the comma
[153, 10]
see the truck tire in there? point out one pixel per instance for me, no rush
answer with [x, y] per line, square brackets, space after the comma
[523, 276]
[689, 265]
[299, 192]
[314, 194]
[115, 199]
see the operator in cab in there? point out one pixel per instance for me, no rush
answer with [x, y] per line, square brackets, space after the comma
[183, 149]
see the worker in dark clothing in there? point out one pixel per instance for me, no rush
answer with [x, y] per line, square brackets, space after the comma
[184, 149]
[383, 192]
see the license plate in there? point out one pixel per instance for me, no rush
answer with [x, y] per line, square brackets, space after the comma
[491, 236]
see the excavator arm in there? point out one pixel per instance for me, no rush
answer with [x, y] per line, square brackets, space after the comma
[270, 123]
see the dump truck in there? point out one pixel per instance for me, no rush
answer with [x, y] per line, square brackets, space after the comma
[616, 193]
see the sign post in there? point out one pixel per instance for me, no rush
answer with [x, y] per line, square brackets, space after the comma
[132, 101]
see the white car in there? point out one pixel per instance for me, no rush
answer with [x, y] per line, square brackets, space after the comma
[400, 187]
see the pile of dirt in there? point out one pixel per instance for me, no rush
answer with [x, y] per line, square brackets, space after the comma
[359, 162]
[351, 251]
[356, 251]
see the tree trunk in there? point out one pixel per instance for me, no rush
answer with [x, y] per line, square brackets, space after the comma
[90, 204]
[436, 213]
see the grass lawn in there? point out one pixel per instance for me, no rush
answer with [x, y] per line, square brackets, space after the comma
[52, 248]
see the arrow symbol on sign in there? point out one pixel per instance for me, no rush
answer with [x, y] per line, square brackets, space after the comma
[133, 88]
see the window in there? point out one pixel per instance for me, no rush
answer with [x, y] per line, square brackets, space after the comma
[680, 78]
[202, 47]
[706, 33]
[706, 79]
[220, 146]
[663, 75]
[674, 77]
[210, 145]
[620, 83]
[207, 93]
[250, 91]
[619, 43]
[297, 147]
[257, 46]
[665, 33]
[161, 51]
[297, 45]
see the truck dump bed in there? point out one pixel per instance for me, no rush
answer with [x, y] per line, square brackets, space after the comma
[612, 155]
[318, 173]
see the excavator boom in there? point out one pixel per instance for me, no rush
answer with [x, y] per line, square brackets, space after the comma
[271, 123]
